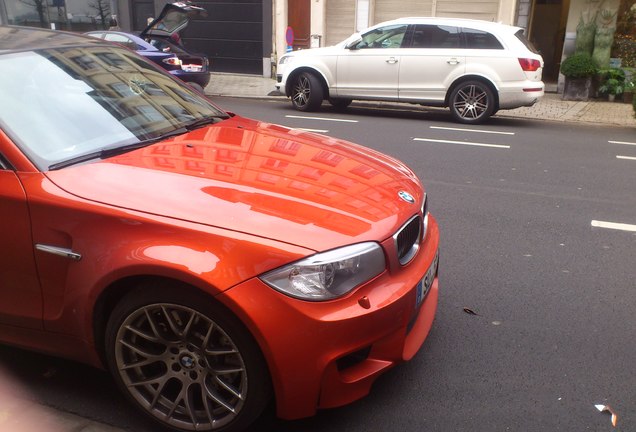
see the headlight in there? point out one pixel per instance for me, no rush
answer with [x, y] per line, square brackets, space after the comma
[328, 275]
[285, 59]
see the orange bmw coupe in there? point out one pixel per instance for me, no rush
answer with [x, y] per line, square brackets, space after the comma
[212, 263]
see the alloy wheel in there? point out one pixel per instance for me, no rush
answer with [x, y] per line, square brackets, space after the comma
[302, 91]
[181, 367]
[472, 102]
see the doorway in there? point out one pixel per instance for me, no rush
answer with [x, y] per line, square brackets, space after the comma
[299, 19]
[547, 33]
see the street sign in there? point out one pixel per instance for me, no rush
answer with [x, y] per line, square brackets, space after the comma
[289, 36]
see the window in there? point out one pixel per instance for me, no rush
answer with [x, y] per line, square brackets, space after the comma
[522, 37]
[435, 36]
[385, 37]
[479, 39]
[122, 40]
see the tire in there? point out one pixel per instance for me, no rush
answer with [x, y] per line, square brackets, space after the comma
[307, 92]
[186, 361]
[196, 86]
[340, 103]
[472, 102]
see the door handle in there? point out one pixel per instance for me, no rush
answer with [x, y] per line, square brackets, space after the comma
[452, 61]
[392, 60]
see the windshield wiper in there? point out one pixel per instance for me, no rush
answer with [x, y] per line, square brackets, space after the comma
[116, 150]
[195, 124]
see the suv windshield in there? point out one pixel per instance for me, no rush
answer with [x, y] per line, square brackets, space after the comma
[70, 102]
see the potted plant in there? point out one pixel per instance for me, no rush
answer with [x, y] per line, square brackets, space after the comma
[612, 82]
[578, 70]
[628, 91]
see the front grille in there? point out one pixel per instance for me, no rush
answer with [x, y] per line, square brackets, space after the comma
[407, 239]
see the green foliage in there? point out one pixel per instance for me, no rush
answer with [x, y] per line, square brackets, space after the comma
[579, 66]
[612, 81]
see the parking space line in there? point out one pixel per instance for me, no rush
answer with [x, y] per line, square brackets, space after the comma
[322, 118]
[614, 226]
[468, 143]
[472, 130]
[625, 157]
[622, 142]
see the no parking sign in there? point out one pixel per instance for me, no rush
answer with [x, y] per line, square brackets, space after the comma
[289, 38]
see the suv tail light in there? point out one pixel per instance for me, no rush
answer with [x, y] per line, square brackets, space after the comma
[174, 61]
[529, 65]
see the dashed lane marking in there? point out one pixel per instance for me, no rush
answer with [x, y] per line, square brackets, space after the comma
[322, 118]
[467, 143]
[625, 157]
[614, 226]
[472, 130]
[622, 142]
[313, 130]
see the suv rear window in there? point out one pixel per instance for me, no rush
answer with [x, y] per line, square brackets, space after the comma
[525, 41]
[478, 39]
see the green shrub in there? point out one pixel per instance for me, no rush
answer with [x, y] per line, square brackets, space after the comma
[579, 66]
[612, 81]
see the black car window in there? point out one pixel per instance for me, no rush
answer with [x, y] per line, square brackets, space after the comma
[435, 36]
[478, 39]
[384, 37]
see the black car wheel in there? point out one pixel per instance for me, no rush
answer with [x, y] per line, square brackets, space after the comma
[186, 362]
[472, 102]
[307, 93]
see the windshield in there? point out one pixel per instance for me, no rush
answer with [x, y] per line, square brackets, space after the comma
[60, 104]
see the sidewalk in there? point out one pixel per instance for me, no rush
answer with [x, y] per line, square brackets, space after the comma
[550, 107]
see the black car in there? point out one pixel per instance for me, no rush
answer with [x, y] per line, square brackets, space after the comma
[160, 42]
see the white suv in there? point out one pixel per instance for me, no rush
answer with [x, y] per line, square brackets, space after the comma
[473, 67]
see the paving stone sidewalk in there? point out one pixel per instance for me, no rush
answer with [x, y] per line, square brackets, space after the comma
[550, 107]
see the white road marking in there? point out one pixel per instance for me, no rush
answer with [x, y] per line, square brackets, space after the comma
[622, 142]
[614, 225]
[471, 130]
[313, 130]
[462, 143]
[322, 118]
[626, 157]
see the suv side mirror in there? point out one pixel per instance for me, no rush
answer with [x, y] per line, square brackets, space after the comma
[353, 45]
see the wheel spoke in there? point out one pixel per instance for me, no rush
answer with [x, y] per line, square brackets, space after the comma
[228, 387]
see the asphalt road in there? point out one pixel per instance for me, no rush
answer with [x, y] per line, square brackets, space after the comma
[526, 211]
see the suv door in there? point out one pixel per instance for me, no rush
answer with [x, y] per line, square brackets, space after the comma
[370, 69]
[431, 60]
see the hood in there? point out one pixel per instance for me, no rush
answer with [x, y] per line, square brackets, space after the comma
[252, 177]
[173, 18]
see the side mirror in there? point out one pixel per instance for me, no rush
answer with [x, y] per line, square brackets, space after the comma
[353, 44]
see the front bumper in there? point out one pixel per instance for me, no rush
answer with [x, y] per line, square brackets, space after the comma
[327, 354]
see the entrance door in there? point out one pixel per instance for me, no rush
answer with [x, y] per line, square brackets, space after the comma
[547, 33]
[299, 19]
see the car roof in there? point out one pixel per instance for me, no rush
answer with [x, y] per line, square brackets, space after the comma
[15, 38]
[138, 40]
[465, 22]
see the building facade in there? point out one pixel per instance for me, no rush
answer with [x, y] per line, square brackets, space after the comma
[248, 36]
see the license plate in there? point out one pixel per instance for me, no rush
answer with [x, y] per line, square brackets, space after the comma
[427, 281]
[191, 68]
